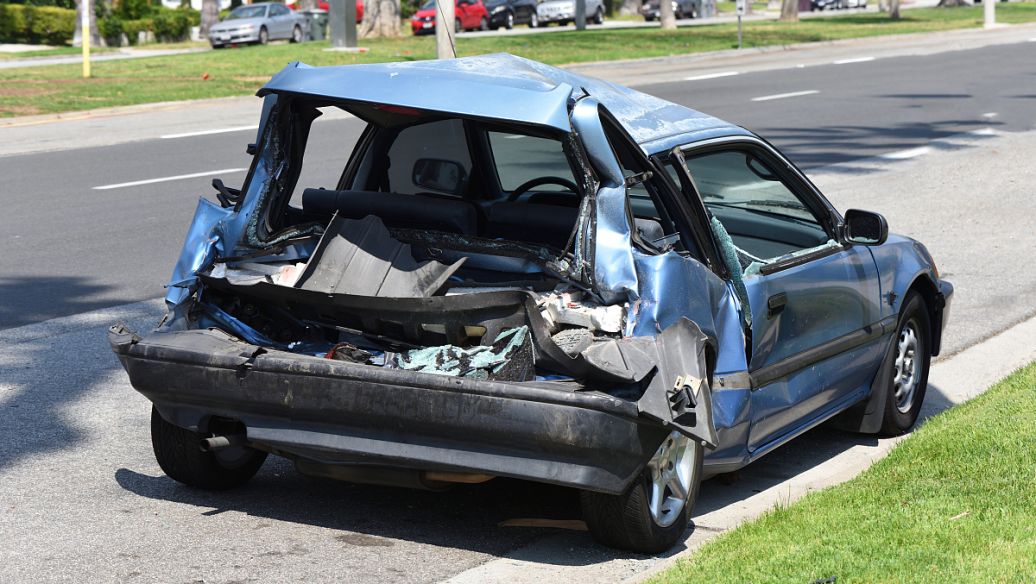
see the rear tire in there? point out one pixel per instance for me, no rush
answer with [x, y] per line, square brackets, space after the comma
[627, 522]
[456, 26]
[534, 20]
[911, 358]
[599, 16]
[483, 24]
[509, 21]
[178, 452]
[296, 34]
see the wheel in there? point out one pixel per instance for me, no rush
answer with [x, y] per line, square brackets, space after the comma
[651, 516]
[483, 24]
[599, 16]
[563, 22]
[178, 452]
[509, 21]
[215, 46]
[534, 21]
[649, 18]
[911, 359]
[456, 25]
[296, 34]
[264, 36]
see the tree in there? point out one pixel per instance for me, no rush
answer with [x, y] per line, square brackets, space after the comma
[790, 10]
[665, 14]
[209, 16]
[894, 9]
[381, 19]
[95, 36]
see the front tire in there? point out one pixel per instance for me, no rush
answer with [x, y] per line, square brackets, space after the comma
[599, 16]
[911, 359]
[264, 36]
[483, 24]
[653, 513]
[509, 21]
[178, 452]
[534, 20]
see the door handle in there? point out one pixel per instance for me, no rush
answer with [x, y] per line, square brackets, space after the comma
[775, 304]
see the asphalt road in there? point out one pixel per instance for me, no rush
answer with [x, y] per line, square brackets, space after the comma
[84, 499]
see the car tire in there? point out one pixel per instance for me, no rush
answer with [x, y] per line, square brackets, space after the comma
[456, 26]
[178, 452]
[627, 522]
[483, 24]
[215, 46]
[599, 16]
[264, 36]
[534, 21]
[649, 18]
[509, 21]
[910, 360]
[296, 34]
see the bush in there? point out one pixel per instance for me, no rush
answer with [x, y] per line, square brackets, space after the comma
[36, 24]
[171, 25]
[111, 30]
[133, 28]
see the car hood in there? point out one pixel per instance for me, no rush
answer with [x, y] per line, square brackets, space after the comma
[424, 13]
[237, 23]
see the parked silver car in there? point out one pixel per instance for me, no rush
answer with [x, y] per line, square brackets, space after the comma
[564, 12]
[259, 23]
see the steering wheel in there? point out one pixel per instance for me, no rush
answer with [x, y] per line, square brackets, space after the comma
[543, 180]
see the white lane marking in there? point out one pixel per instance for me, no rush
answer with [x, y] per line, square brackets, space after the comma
[990, 115]
[150, 181]
[210, 132]
[711, 76]
[856, 60]
[908, 153]
[784, 95]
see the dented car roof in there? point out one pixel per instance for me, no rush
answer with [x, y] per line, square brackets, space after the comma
[499, 86]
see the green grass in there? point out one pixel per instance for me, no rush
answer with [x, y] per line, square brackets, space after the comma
[59, 88]
[955, 502]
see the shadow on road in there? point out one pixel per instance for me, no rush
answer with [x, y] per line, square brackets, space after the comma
[31, 299]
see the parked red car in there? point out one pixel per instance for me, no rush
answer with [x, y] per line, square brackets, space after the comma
[324, 5]
[468, 15]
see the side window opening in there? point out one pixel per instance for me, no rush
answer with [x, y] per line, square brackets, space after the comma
[760, 215]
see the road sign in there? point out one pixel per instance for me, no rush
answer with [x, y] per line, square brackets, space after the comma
[741, 7]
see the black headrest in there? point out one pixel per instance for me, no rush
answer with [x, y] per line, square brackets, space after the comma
[395, 210]
[550, 224]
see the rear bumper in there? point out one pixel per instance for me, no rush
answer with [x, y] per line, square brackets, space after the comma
[335, 412]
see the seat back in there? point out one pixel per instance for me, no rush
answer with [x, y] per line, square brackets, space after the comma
[395, 210]
[531, 222]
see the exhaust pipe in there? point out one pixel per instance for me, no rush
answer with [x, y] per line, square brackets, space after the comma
[215, 443]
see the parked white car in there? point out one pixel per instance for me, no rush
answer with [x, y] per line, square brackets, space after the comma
[259, 23]
[564, 12]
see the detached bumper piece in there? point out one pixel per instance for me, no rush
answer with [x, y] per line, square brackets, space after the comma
[336, 412]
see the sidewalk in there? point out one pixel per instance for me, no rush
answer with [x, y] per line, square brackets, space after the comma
[127, 53]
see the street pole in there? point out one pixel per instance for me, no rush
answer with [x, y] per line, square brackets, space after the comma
[989, 10]
[445, 47]
[580, 14]
[350, 24]
[740, 8]
[84, 23]
[342, 14]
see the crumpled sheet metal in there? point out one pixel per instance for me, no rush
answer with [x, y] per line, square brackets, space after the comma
[508, 358]
[204, 242]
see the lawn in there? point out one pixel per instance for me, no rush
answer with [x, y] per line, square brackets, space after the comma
[60, 88]
[955, 502]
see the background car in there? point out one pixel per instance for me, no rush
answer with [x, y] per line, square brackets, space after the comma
[507, 13]
[829, 4]
[259, 23]
[564, 12]
[467, 14]
[324, 5]
[681, 8]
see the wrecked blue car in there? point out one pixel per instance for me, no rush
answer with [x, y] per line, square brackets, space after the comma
[563, 281]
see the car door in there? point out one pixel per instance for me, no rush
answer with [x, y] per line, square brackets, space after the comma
[280, 16]
[813, 302]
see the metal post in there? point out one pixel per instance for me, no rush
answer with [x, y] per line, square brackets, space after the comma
[336, 14]
[739, 31]
[989, 11]
[84, 23]
[740, 7]
[445, 43]
[580, 14]
[350, 24]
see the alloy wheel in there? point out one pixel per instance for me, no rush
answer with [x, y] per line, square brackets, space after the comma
[671, 477]
[907, 367]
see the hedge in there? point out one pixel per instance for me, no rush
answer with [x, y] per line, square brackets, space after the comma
[36, 24]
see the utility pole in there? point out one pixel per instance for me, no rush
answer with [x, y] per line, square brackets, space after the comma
[580, 14]
[445, 42]
[84, 21]
[343, 24]
[740, 6]
[989, 11]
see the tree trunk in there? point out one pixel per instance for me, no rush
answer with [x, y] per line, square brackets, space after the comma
[381, 19]
[894, 9]
[209, 16]
[630, 7]
[790, 10]
[77, 37]
[666, 15]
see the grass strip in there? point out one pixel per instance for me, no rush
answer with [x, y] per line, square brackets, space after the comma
[955, 502]
[59, 88]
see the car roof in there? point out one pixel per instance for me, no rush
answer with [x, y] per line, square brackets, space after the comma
[499, 87]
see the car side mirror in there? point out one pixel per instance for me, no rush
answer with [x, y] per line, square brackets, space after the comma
[445, 176]
[865, 227]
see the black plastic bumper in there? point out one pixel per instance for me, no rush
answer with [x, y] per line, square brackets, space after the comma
[337, 412]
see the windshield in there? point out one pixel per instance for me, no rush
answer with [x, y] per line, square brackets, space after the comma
[247, 12]
[429, 5]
